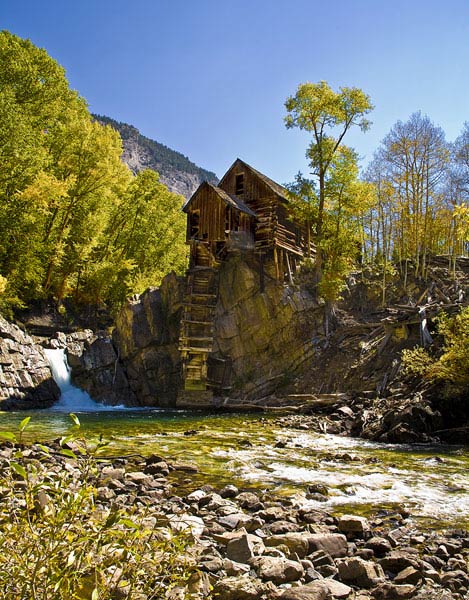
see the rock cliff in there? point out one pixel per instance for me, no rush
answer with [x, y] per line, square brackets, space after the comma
[146, 336]
[25, 375]
[264, 336]
[97, 369]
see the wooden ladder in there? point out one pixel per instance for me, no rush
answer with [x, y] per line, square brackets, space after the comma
[197, 324]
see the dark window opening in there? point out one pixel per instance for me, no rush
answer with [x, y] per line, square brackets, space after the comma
[239, 184]
[194, 224]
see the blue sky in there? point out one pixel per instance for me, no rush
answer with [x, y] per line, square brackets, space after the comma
[209, 77]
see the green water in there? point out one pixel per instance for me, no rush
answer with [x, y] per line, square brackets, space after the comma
[431, 483]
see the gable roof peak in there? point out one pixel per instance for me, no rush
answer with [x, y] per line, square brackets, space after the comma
[275, 187]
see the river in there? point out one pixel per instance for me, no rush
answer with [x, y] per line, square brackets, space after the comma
[430, 483]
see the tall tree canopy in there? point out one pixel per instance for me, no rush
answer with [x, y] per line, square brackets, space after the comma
[62, 183]
[415, 209]
[328, 115]
[334, 197]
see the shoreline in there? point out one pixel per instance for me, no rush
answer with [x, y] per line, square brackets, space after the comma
[247, 545]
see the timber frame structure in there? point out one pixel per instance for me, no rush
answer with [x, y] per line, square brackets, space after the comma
[246, 213]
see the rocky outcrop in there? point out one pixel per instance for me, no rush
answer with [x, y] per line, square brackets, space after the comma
[265, 334]
[25, 375]
[262, 336]
[96, 368]
[146, 336]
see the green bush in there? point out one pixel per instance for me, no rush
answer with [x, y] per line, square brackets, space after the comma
[58, 543]
[452, 366]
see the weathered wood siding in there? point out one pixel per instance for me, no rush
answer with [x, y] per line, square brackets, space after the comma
[210, 219]
[273, 225]
[208, 211]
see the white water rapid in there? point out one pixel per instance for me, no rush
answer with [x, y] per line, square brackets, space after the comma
[72, 399]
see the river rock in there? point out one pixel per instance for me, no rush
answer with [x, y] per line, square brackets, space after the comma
[408, 575]
[239, 588]
[277, 569]
[317, 590]
[240, 549]
[26, 380]
[338, 589]
[297, 543]
[250, 501]
[229, 491]
[397, 560]
[354, 525]
[360, 572]
[335, 544]
[391, 591]
[185, 522]
[379, 545]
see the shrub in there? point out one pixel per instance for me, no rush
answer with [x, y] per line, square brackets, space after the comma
[57, 542]
[452, 366]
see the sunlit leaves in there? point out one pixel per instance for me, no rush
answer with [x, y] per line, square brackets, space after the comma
[73, 219]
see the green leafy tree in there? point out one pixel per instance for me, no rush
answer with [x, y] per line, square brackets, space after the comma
[73, 219]
[327, 115]
[452, 365]
[144, 239]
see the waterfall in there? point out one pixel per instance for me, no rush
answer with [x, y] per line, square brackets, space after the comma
[72, 399]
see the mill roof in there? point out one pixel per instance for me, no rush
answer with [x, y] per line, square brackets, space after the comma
[228, 199]
[275, 187]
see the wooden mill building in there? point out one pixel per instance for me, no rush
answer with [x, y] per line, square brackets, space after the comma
[246, 213]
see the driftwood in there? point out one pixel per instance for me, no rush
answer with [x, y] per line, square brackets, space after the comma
[319, 400]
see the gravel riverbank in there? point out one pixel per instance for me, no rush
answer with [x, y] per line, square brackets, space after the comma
[247, 545]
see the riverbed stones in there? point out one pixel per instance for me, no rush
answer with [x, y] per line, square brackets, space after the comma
[277, 569]
[359, 572]
[242, 564]
[335, 544]
[354, 526]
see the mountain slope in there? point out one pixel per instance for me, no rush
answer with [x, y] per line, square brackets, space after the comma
[176, 171]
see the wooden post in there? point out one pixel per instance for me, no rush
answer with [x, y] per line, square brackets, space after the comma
[290, 277]
[261, 272]
[276, 263]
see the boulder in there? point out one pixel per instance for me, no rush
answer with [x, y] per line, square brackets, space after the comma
[277, 569]
[397, 560]
[240, 549]
[408, 575]
[297, 543]
[390, 591]
[335, 544]
[357, 571]
[239, 588]
[354, 526]
[317, 590]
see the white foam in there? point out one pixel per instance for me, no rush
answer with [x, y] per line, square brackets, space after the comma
[72, 399]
